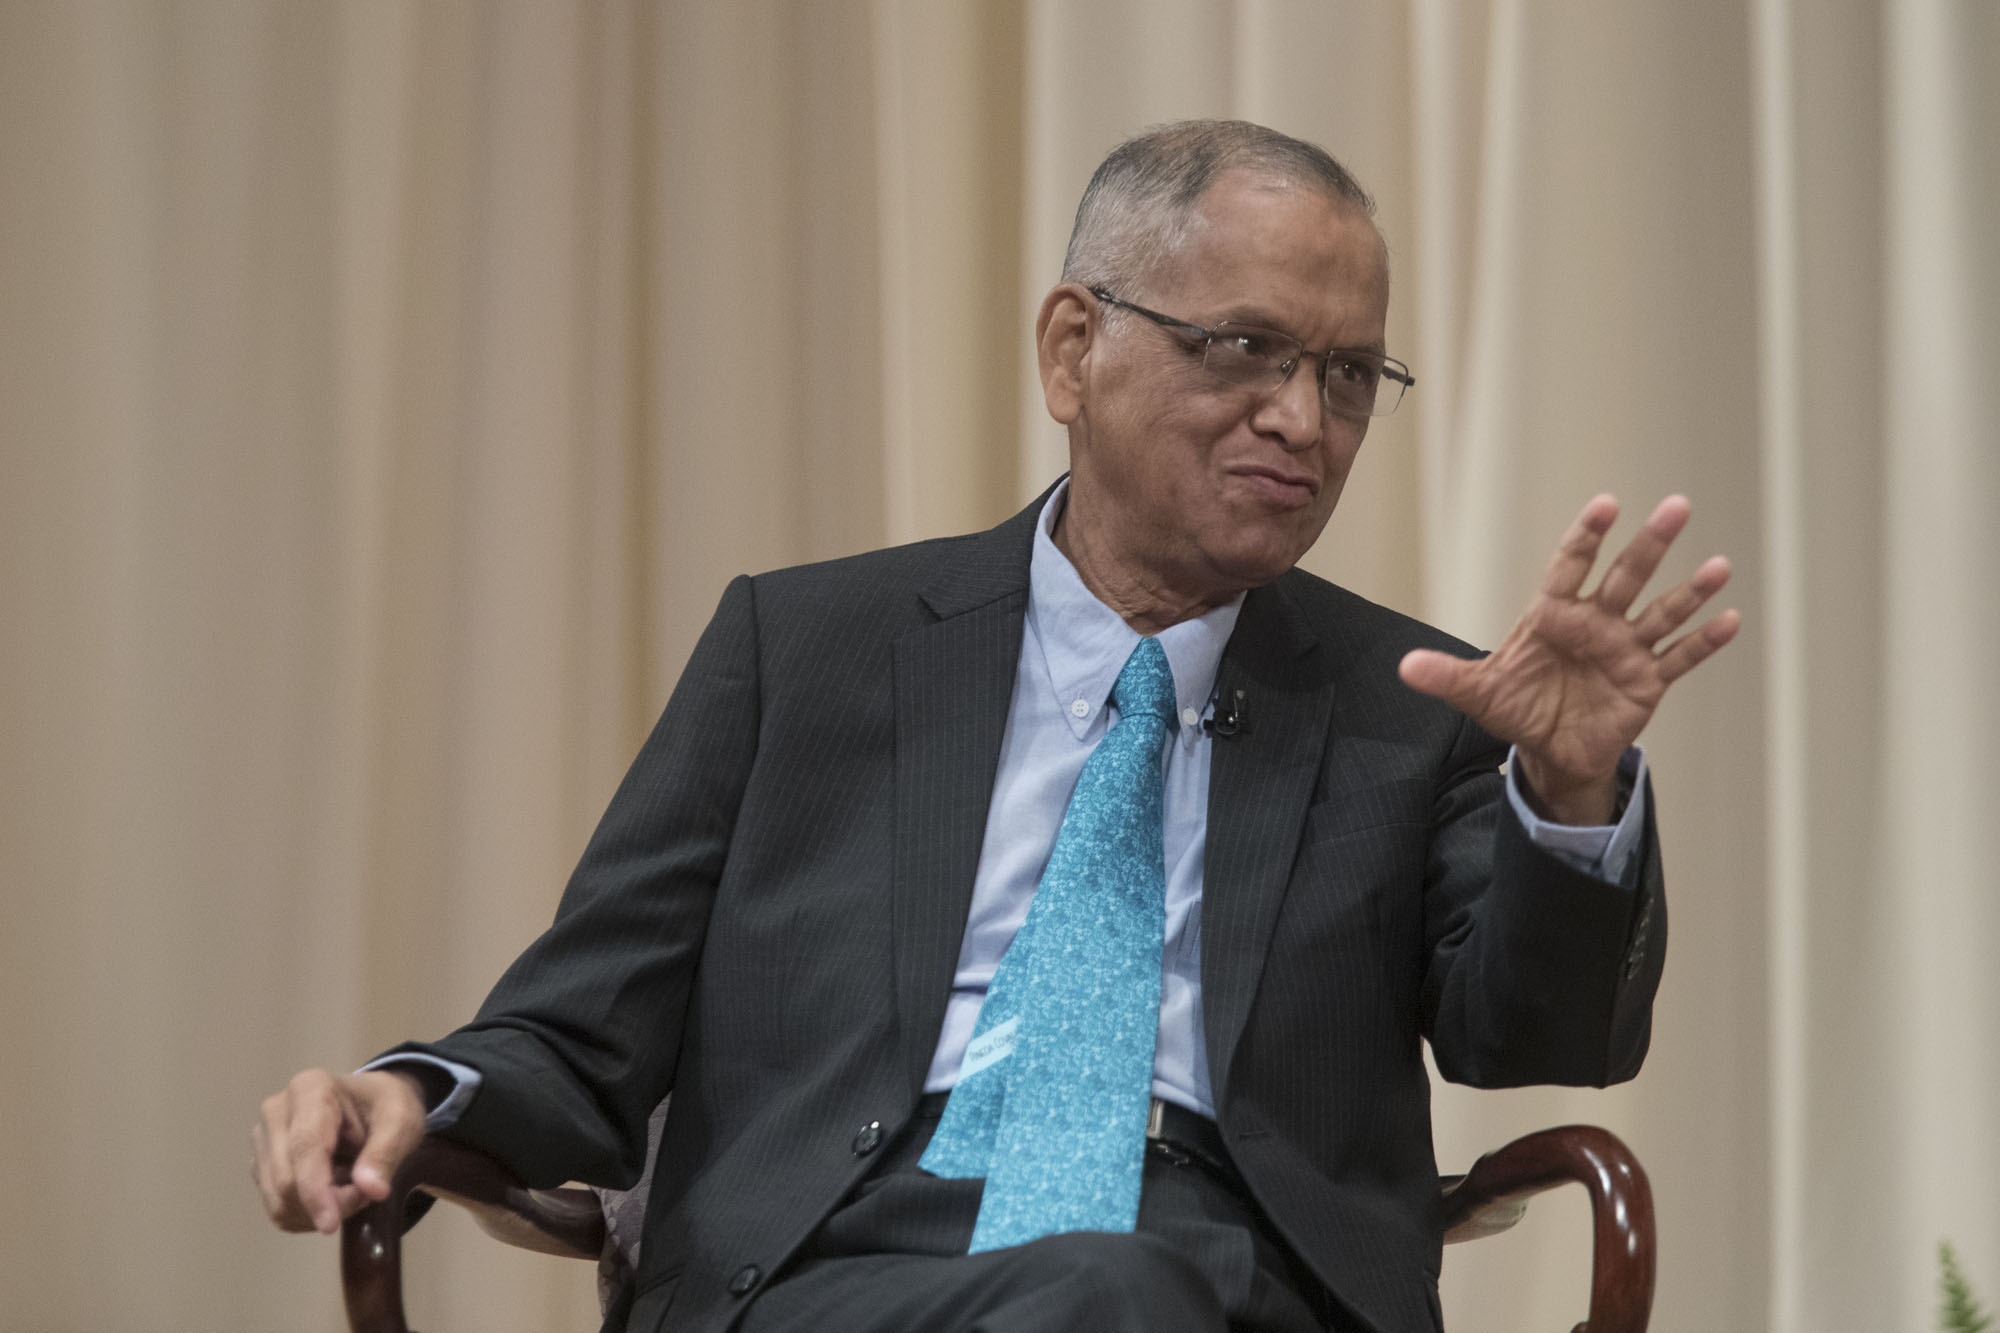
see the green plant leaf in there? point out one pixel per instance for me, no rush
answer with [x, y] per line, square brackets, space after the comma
[1958, 1309]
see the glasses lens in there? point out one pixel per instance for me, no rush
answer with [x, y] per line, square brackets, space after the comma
[1250, 356]
[1355, 384]
[1355, 387]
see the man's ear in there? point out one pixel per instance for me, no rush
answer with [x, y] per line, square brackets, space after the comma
[1064, 332]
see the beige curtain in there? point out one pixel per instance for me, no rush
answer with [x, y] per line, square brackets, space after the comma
[388, 389]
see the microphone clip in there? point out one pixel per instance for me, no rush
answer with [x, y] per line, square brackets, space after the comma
[1227, 717]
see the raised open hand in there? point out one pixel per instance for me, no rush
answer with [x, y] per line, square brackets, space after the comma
[1577, 679]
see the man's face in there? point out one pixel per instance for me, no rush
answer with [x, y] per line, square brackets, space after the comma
[1204, 488]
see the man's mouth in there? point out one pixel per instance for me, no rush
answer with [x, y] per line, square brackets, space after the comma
[1278, 484]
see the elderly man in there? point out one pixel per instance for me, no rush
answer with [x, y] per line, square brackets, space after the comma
[1039, 929]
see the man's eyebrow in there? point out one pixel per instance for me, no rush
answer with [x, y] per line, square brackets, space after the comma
[1253, 315]
[1258, 317]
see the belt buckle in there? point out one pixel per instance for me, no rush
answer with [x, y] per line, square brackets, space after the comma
[1156, 1140]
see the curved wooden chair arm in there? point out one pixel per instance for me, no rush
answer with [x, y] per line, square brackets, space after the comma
[565, 1222]
[1492, 1196]
[1488, 1199]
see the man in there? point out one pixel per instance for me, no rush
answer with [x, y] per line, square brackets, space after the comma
[876, 899]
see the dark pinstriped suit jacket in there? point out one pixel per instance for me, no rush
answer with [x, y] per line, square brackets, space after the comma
[767, 920]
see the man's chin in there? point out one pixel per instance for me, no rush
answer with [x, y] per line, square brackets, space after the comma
[1254, 569]
[1260, 554]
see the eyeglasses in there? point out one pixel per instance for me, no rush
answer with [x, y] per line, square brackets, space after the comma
[1352, 384]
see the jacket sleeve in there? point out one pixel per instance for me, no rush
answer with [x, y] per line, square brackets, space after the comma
[1538, 972]
[579, 1040]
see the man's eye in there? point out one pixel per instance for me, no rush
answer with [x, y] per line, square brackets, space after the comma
[1348, 371]
[1255, 346]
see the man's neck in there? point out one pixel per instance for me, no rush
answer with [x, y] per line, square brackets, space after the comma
[1141, 599]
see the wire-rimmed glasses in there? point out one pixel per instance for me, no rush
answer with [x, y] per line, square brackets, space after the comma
[1352, 383]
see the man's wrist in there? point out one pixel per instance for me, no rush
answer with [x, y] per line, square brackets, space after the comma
[1590, 804]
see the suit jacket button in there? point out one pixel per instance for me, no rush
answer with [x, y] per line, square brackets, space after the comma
[869, 1139]
[746, 1278]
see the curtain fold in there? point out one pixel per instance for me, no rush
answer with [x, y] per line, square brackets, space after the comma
[1941, 422]
[388, 391]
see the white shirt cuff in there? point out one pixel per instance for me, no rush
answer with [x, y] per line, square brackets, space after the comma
[465, 1082]
[1602, 850]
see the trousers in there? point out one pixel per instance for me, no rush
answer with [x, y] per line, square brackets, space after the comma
[891, 1259]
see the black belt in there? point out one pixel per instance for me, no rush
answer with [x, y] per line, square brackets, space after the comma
[1174, 1133]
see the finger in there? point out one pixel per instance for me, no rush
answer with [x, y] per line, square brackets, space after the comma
[1578, 549]
[312, 1135]
[349, 1200]
[260, 1174]
[1694, 648]
[278, 1170]
[1641, 556]
[275, 1165]
[1452, 679]
[1670, 610]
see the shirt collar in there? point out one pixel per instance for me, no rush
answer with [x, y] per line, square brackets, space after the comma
[1085, 643]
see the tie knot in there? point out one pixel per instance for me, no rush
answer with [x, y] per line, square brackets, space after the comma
[1146, 684]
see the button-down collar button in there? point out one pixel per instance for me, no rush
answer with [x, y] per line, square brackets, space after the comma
[745, 1279]
[1079, 708]
[1189, 717]
[868, 1139]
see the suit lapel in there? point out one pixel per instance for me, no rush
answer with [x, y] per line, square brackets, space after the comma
[1260, 782]
[954, 682]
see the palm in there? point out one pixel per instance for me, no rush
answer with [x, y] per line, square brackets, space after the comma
[1577, 679]
[1570, 683]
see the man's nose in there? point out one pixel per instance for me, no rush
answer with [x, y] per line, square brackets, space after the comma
[1292, 410]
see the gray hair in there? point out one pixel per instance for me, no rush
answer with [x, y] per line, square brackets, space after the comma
[1137, 208]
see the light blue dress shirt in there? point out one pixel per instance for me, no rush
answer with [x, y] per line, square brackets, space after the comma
[1072, 649]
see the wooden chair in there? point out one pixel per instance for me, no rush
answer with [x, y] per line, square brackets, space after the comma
[1488, 1199]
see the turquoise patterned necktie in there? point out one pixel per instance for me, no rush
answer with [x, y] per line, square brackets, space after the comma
[1052, 1098]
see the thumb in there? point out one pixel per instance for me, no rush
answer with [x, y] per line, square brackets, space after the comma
[1452, 679]
[394, 1122]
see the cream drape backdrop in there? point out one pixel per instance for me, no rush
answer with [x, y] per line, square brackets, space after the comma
[387, 391]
